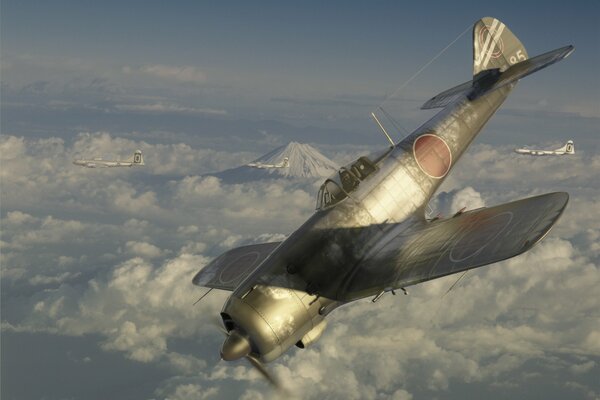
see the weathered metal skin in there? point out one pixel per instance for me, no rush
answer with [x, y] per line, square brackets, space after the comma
[276, 317]
[369, 234]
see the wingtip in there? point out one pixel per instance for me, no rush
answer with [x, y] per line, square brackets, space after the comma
[564, 196]
[570, 51]
[196, 279]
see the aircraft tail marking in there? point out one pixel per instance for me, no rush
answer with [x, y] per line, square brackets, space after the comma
[499, 59]
[568, 148]
[495, 46]
[136, 158]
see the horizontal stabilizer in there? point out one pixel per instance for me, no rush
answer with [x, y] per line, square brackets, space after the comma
[492, 79]
[448, 96]
[228, 270]
[524, 68]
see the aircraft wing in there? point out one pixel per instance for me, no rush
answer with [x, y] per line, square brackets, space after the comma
[228, 270]
[540, 152]
[469, 240]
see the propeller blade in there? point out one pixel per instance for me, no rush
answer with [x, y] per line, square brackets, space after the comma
[263, 370]
[253, 361]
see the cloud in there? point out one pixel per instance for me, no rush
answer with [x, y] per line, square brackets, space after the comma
[162, 108]
[45, 280]
[582, 368]
[136, 308]
[180, 389]
[143, 249]
[187, 74]
[320, 102]
[110, 254]
[449, 203]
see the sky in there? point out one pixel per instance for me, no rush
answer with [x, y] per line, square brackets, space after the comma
[96, 265]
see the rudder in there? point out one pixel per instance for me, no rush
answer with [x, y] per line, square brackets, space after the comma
[495, 46]
[136, 158]
[569, 148]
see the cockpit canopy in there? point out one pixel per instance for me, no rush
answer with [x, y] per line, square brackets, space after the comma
[337, 187]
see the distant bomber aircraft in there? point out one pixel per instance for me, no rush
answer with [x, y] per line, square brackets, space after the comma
[283, 164]
[369, 234]
[135, 160]
[567, 149]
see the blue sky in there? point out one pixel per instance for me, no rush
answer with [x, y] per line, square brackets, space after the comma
[310, 64]
[96, 264]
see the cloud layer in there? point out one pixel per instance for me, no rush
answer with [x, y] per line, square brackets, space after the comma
[110, 254]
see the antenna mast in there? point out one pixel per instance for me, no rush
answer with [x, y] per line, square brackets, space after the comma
[392, 144]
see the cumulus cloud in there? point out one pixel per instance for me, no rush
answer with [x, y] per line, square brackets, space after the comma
[136, 308]
[112, 253]
[449, 203]
[143, 249]
[27, 167]
[182, 389]
[45, 280]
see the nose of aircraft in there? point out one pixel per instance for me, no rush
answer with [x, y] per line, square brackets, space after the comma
[235, 346]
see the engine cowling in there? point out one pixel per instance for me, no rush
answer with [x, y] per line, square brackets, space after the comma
[274, 318]
[313, 335]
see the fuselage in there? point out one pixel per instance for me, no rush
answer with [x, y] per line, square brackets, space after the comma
[534, 152]
[368, 195]
[283, 164]
[264, 166]
[104, 163]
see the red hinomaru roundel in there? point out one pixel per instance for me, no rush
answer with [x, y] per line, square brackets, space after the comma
[433, 155]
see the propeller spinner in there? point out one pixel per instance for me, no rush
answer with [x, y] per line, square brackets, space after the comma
[235, 346]
[238, 346]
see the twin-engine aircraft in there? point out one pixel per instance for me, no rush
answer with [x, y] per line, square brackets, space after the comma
[369, 234]
[135, 160]
[283, 164]
[567, 149]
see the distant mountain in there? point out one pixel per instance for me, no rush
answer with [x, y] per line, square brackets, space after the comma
[304, 162]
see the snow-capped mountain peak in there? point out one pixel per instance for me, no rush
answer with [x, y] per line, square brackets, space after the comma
[304, 161]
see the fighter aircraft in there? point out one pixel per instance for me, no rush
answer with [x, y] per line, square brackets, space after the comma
[567, 149]
[283, 164]
[135, 160]
[369, 234]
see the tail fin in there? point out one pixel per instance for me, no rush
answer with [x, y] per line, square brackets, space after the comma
[286, 162]
[495, 46]
[568, 148]
[499, 59]
[136, 158]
